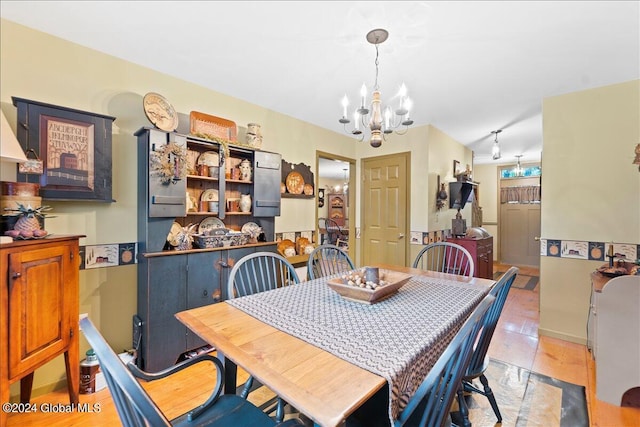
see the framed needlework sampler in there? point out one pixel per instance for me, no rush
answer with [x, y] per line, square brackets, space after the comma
[75, 147]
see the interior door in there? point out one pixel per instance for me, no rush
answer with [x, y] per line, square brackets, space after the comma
[384, 209]
[520, 224]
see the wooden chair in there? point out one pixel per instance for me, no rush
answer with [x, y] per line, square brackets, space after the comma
[334, 234]
[259, 272]
[445, 257]
[326, 260]
[431, 403]
[136, 408]
[479, 360]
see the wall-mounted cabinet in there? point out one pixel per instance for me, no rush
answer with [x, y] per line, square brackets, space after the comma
[201, 182]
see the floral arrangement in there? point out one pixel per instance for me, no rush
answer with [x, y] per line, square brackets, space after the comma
[169, 162]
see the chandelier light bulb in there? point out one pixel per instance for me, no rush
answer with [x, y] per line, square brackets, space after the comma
[345, 104]
[403, 108]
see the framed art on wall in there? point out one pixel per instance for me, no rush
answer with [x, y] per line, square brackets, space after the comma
[74, 146]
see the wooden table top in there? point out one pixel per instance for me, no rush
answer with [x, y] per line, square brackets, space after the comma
[324, 387]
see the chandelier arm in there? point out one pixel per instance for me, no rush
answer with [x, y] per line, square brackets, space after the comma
[406, 129]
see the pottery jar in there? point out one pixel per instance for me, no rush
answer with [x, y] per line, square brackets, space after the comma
[245, 203]
[254, 129]
[245, 170]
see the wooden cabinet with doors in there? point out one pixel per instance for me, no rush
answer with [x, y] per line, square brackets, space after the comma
[337, 209]
[481, 251]
[176, 281]
[39, 299]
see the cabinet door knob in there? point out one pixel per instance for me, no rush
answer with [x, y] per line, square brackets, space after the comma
[205, 293]
[16, 275]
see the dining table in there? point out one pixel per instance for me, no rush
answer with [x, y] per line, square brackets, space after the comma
[326, 355]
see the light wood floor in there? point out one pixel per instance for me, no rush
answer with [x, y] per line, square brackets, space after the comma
[516, 341]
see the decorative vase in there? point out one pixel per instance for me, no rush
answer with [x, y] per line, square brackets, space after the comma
[245, 203]
[254, 135]
[245, 170]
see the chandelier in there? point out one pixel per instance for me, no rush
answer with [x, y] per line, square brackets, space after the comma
[495, 151]
[379, 123]
[518, 169]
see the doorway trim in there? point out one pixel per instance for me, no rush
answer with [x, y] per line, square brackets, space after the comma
[352, 197]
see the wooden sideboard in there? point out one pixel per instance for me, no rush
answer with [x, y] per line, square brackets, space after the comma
[39, 308]
[481, 251]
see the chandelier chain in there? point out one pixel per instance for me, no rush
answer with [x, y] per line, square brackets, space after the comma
[376, 87]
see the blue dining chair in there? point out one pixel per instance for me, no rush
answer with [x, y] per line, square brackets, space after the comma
[136, 408]
[431, 403]
[445, 257]
[479, 360]
[259, 272]
[326, 260]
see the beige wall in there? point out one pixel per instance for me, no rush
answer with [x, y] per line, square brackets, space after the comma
[432, 153]
[591, 192]
[487, 176]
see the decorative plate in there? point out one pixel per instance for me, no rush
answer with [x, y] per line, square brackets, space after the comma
[250, 227]
[295, 183]
[210, 224]
[210, 195]
[160, 112]
[172, 237]
[209, 158]
[308, 189]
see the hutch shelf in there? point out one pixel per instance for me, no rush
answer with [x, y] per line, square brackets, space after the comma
[169, 280]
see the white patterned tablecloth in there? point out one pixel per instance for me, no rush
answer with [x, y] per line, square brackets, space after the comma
[399, 338]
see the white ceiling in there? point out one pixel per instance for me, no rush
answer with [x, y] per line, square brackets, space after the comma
[470, 67]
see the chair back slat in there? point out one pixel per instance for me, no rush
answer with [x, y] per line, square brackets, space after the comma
[259, 272]
[430, 404]
[327, 260]
[500, 291]
[134, 405]
[445, 257]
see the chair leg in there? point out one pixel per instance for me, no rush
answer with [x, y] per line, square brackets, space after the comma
[492, 399]
[462, 408]
[280, 410]
[247, 388]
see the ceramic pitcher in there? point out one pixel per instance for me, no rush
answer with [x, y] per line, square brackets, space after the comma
[245, 203]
